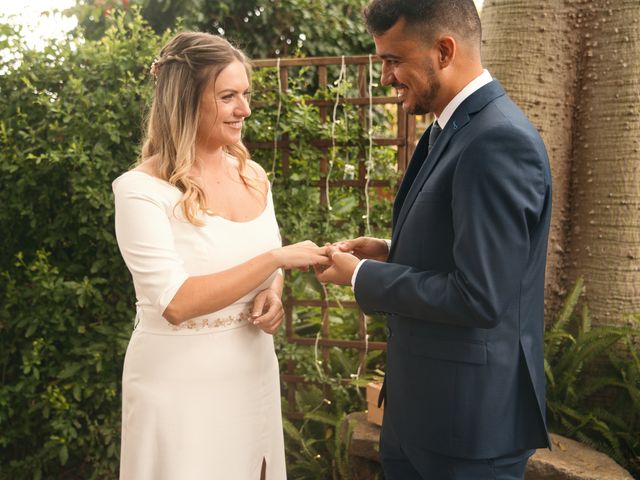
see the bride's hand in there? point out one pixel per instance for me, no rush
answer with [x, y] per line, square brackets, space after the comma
[267, 311]
[301, 255]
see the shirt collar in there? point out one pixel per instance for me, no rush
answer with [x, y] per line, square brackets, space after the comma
[474, 85]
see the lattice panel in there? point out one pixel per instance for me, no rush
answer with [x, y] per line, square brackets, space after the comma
[403, 141]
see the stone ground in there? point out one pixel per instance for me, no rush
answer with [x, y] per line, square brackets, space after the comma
[569, 460]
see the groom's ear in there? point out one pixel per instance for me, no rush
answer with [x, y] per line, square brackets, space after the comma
[447, 50]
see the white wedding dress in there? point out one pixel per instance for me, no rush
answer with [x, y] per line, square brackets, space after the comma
[200, 401]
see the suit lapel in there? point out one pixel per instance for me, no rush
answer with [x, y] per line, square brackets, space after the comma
[420, 167]
[421, 177]
[417, 159]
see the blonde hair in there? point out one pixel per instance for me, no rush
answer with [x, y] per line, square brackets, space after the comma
[185, 67]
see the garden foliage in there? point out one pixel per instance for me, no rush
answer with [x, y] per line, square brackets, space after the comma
[593, 382]
[264, 29]
[69, 124]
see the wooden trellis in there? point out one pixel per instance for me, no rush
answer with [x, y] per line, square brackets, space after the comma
[404, 141]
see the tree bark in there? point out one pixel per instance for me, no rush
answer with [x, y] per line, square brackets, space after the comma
[574, 69]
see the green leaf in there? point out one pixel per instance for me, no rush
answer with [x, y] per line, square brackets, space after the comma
[70, 370]
[63, 454]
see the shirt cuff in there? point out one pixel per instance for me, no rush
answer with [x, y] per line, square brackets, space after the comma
[355, 273]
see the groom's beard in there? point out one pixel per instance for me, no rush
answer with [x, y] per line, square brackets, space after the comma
[425, 97]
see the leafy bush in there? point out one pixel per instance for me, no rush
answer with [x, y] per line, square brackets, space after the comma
[593, 382]
[69, 124]
[263, 29]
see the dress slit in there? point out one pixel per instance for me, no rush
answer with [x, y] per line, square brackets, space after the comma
[263, 473]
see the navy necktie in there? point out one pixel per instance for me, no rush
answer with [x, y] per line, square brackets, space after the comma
[433, 134]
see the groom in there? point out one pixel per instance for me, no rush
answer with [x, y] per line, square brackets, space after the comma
[461, 281]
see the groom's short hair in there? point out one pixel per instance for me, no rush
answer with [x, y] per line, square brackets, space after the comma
[459, 17]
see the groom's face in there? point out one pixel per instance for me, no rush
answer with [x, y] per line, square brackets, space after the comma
[408, 66]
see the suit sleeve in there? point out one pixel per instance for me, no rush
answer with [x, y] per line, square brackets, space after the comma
[497, 200]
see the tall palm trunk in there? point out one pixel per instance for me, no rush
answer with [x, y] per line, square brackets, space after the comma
[574, 68]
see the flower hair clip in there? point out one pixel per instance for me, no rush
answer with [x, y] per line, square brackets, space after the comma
[155, 68]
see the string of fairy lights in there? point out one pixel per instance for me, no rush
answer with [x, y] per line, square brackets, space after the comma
[369, 164]
[277, 125]
[334, 121]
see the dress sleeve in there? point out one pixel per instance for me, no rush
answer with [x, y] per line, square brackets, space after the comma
[146, 242]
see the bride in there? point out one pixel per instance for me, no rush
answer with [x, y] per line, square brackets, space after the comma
[196, 227]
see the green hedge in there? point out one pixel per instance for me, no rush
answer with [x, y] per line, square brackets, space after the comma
[70, 123]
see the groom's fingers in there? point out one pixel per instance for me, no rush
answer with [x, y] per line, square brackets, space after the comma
[330, 275]
[319, 268]
[327, 275]
[345, 246]
[341, 268]
[341, 246]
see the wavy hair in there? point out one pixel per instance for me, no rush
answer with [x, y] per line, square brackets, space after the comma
[182, 71]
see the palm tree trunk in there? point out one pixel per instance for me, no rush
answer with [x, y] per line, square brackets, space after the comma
[605, 215]
[574, 68]
[531, 49]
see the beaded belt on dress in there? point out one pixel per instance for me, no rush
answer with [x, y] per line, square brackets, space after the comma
[234, 316]
[210, 321]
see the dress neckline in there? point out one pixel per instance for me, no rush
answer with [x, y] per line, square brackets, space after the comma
[240, 222]
[206, 212]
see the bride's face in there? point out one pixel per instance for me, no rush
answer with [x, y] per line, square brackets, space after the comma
[223, 107]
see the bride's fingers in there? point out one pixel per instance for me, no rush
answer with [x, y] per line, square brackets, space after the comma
[331, 251]
[277, 321]
[272, 325]
[321, 257]
[258, 306]
[267, 317]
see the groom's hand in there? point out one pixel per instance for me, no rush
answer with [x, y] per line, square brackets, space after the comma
[341, 269]
[366, 247]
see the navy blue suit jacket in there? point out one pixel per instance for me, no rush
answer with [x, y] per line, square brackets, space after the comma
[463, 286]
